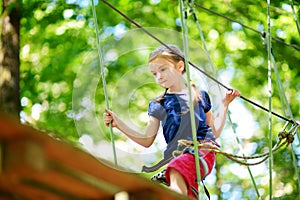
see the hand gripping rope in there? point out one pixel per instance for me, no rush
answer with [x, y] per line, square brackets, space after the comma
[101, 63]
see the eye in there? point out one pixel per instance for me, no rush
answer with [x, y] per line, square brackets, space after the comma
[163, 69]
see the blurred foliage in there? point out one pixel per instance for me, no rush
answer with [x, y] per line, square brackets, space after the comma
[62, 89]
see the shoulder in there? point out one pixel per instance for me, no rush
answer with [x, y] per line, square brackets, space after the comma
[156, 110]
[205, 100]
[154, 104]
[205, 95]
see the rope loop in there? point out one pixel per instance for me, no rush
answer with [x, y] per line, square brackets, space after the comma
[288, 134]
[285, 137]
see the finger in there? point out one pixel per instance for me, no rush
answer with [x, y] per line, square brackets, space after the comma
[109, 112]
[106, 117]
[107, 121]
[237, 93]
[230, 91]
[233, 92]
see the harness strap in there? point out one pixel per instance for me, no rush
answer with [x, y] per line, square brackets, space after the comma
[160, 177]
[201, 159]
[195, 191]
[156, 166]
[206, 190]
[204, 164]
[205, 167]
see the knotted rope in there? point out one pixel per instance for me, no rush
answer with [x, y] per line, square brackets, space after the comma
[285, 138]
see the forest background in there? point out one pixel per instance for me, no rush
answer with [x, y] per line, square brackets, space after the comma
[50, 78]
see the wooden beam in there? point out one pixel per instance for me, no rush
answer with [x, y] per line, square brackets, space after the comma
[35, 165]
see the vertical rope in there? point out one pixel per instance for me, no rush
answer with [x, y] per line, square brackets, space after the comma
[204, 43]
[101, 62]
[288, 112]
[212, 66]
[191, 103]
[248, 167]
[295, 16]
[270, 96]
[295, 163]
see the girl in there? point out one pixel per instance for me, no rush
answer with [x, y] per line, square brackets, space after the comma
[171, 110]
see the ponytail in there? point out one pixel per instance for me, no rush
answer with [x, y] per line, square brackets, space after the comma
[197, 94]
[161, 97]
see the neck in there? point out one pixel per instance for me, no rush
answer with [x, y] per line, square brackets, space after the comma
[179, 89]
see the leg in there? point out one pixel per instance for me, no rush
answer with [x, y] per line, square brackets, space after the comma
[181, 172]
[177, 182]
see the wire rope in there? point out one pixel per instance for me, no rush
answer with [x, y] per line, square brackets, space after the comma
[241, 148]
[192, 10]
[183, 17]
[295, 16]
[269, 64]
[285, 137]
[269, 37]
[102, 69]
[192, 64]
[247, 27]
[288, 112]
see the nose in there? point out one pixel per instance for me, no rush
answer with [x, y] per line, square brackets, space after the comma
[158, 76]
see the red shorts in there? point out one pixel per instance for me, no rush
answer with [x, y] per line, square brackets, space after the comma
[185, 165]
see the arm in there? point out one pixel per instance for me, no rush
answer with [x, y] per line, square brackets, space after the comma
[217, 122]
[145, 139]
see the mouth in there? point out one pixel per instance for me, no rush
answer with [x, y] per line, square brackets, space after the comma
[161, 82]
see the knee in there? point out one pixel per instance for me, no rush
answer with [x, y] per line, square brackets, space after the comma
[177, 181]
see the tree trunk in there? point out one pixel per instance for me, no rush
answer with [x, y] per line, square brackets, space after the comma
[9, 58]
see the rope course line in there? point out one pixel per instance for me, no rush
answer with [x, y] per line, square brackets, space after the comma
[197, 68]
[288, 111]
[192, 11]
[247, 27]
[270, 123]
[232, 157]
[286, 108]
[295, 16]
[101, 63]
[285, 137]
[183, 17]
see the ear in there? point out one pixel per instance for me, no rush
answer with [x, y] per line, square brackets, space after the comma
[181, 67]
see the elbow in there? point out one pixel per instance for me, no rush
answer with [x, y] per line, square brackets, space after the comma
[146, 143]
[215, 132]
[217, 135]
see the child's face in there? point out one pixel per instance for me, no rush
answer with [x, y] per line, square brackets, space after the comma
[166, 73]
